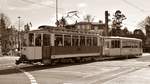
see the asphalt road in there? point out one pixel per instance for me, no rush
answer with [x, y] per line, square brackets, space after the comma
[102, 72]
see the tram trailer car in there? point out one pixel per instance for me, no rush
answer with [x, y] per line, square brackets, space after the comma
[61, 45]
[122, 47]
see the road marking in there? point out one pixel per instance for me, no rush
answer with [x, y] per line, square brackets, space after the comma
[116, 75]
[32, 79]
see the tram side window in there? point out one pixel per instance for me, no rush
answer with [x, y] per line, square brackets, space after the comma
[46, 40]
[124, 44]
[112, 44]
[82, 41]
[75, 40]
[140, 44]
[135, 44]
[89, 41]
[58, 40]
[127, 44]
[31, 39]
[94, 41]
[38, 40]
[67, 40]
[115, 44]
[107, 44]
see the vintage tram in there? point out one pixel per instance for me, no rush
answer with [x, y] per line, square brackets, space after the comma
[61, 45]
[49, 45]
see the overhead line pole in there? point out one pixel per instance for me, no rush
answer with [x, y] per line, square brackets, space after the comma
[57, 12]
[106, 23]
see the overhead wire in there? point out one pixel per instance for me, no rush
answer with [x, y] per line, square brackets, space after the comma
[135, 6]
[40, 4]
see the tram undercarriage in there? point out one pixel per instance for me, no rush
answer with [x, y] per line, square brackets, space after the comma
[24, 60]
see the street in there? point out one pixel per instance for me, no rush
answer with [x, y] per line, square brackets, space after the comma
[124, 71]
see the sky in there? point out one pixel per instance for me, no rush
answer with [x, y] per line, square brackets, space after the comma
[42, 12]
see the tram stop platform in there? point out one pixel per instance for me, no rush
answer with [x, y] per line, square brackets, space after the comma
[140, 76]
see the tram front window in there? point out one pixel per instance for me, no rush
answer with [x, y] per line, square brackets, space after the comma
[24, 41]
[31, 39]
[46, 40]
[38, 40]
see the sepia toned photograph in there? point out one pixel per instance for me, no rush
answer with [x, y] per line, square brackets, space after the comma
[74, 42]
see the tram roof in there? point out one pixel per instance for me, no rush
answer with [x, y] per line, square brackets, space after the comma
[63, 31]
[126, 38]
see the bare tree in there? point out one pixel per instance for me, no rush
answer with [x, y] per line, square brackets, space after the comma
[88, 18]
[27, 27]
[146, 22]
[4, 34]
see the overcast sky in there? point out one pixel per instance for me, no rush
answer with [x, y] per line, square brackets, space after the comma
[42, 12]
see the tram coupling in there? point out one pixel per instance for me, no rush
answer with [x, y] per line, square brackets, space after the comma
[22, 59]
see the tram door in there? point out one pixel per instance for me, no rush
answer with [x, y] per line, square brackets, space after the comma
[46, 47]
[106, 47]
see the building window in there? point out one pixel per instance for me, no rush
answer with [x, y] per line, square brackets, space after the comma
[83, 27]
[96, 28]
[88, 27]
[78, 26]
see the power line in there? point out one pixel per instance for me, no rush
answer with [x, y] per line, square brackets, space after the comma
[135, 6]
[32, 2]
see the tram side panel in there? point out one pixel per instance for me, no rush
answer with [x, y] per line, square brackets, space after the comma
[131, 47]
[106, 46]
[126, 48]
[78, 47]
[111, 47]
[115, 47]
[63, 52]
[120, 46]
[31, 48]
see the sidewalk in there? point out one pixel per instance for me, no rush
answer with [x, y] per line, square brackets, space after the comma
[8, 59]
[141, 76]
[145, 54]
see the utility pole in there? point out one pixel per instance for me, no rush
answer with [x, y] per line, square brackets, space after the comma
[19, 36]
[106, 23]
[57, 13]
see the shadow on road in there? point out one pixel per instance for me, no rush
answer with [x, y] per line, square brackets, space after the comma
[29, 68]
